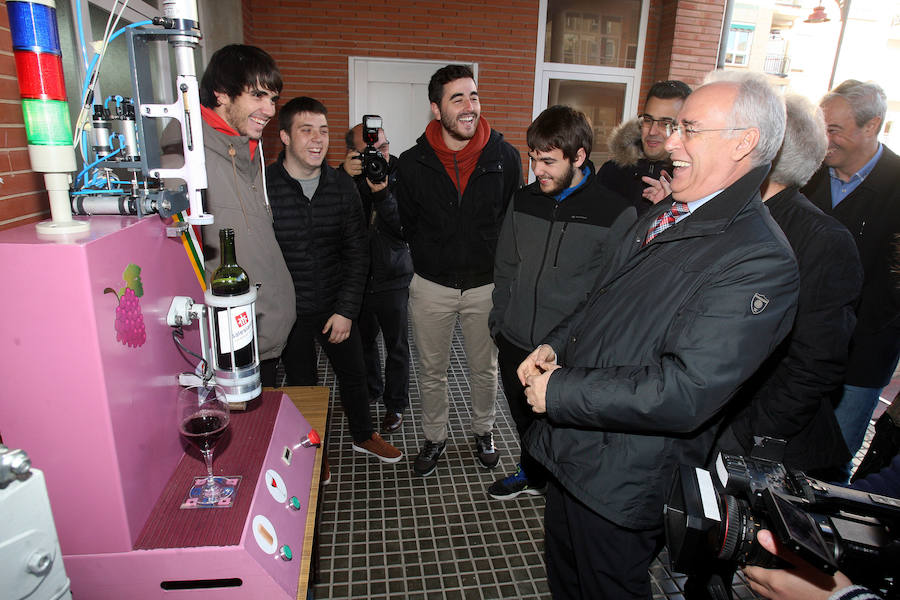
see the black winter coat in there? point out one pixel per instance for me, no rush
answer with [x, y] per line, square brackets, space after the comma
[872, 214]
[550, 254]
[790, 397]
[453, 237]
[626, 179]
[666, 337]
[623, 172]
[323, 240]
[390, 264]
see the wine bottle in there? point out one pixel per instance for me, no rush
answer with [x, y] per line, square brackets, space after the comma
[232, 280]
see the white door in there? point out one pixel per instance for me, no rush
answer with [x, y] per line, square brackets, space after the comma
[397, 90]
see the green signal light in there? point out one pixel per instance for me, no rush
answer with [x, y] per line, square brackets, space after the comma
[47, 122]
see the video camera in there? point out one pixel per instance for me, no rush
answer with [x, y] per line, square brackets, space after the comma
[374, 166]
[716, 517]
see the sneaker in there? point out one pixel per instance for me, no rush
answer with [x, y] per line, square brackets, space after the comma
[427, 459]
[510, 487]
[380, 449]
[392, 422]
[487, 454]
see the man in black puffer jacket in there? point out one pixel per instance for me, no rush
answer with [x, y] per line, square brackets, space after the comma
[319, 226]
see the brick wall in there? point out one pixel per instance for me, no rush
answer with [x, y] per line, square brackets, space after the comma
[311, 42]
[22, 195]
[695, 43]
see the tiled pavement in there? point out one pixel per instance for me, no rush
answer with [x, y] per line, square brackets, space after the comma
[386, 533]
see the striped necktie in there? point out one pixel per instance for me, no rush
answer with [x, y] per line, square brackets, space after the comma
[666, 220]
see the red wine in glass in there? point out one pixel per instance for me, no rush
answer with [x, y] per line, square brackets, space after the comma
[203, 418]
[204, 428]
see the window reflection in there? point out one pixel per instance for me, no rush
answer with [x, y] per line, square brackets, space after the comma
[602, 102]
[594, 33]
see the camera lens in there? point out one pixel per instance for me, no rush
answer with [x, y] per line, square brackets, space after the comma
[374, 165]
[737, 535]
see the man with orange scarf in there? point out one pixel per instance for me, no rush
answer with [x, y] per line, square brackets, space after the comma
[452, 191]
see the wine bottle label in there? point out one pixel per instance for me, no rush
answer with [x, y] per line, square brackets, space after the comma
[238, 317]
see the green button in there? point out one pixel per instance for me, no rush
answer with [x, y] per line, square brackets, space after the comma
[286, 553]
[295, 503]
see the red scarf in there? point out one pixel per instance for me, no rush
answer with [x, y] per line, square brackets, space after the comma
[465, 159]
[213, 119]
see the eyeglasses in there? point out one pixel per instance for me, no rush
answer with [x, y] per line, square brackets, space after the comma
[382, 147]
[686, 131]
[648, 121]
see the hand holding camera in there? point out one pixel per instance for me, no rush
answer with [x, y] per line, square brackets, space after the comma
[374, 165]
[802, 582]
[353, 163]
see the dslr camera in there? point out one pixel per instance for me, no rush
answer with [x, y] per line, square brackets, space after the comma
[374, 167]
[712, 517]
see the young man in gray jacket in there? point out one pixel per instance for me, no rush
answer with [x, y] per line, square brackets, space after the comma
[552, 247]
[238, 92]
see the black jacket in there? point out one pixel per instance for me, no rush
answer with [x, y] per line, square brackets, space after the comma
[623, 172]
[549, 255]
[667, 335]
[872, 214]
[453, 237]
[790, 397]
[323, 240]
[390, 264]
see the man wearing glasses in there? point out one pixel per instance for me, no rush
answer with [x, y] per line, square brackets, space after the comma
[385, 301]
[637, 146]
[698, 293]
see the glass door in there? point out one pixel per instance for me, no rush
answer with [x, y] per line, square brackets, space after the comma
[589, 57]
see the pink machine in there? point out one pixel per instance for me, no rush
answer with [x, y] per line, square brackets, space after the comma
[89, 392]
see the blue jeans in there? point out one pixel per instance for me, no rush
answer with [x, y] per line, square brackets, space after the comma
[853, 414]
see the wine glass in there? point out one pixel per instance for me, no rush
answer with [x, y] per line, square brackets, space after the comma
[203, 418]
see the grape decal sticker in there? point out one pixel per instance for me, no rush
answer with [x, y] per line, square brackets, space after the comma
[130, 330]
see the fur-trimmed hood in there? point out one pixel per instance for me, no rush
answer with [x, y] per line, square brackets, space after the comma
[625, 143]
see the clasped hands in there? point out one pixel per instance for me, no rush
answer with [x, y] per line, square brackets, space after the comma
[534, 373]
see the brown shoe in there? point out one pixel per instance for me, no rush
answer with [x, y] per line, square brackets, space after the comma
[392, 422]
[380, 449]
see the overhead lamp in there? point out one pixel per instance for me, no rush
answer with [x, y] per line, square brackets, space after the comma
[817, 15]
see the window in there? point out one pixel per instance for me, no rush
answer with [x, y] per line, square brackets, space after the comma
[611, 25]
[591, 60]
[740, 38]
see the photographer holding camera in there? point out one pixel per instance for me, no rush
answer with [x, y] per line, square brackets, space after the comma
[386, 297]
[803, 581]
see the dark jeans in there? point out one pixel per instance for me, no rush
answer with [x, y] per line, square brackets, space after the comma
[387, 311]
[589, 557]
[299, 358]
[509, 357]
[268, 372]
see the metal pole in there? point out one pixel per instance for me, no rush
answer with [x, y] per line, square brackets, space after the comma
[845, 12]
